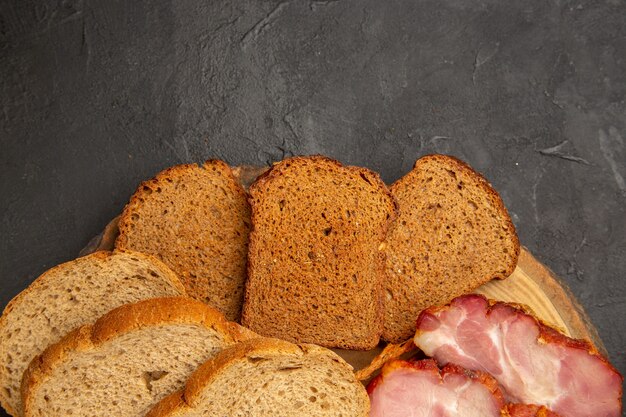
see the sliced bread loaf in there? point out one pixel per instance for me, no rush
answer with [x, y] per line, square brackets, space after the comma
[196, 220]
[68, 296]
[269, 377]
[315, 262]
[453, 235]
[127, 361]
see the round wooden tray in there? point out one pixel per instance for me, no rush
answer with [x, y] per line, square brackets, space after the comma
[531, 284]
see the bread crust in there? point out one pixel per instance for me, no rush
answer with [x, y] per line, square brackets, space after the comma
[123, 320]
[54, 272]
[125, 220]
[171, 406]
[277, 171]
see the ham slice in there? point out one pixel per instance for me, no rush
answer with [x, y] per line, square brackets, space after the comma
[420, 389]
[534, 363]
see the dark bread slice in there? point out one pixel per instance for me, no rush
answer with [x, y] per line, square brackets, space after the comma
[196, 220]
[453, 235]
[315, 265]
[128, 360]
[263, 377]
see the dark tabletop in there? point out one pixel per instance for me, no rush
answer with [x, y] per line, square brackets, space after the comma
[96, 96]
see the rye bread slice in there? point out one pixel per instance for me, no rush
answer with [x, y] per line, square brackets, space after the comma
[128, 360]
[453, 234]
[269, 377]
[315, 265]
[196, 219]
[70, 295]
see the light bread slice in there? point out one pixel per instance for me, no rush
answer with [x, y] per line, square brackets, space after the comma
[127, 361]
[453, 235]
[70, 295]
[315, 262]
[196, 219]
[269, 377]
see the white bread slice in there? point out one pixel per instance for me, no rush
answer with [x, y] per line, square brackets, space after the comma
[70, 295]
[128, 360]
[269, 377]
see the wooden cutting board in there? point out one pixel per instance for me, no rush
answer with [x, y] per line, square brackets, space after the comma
[531, 284]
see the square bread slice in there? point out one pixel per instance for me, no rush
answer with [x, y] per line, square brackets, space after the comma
[128, 360]
[453, 235]
[68, 296]
[195, 219]
[315, 263]
[269, 377]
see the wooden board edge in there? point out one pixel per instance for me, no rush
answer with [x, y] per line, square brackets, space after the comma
[573, 313]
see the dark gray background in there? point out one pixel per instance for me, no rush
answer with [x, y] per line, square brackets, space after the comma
[96, 96]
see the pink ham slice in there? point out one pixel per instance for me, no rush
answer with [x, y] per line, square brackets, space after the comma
[534, 363]
[420, 389]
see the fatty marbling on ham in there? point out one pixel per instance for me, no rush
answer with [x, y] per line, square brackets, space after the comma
[532, 362]
[420, 389]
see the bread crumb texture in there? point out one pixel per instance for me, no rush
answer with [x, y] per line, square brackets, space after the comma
[315, 261]
[196, 219]
[453, 234]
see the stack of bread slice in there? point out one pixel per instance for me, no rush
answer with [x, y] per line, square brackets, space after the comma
[127, 360]
[317, 253]
[68, 296]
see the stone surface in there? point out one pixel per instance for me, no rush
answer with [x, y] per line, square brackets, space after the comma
[96, 96]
